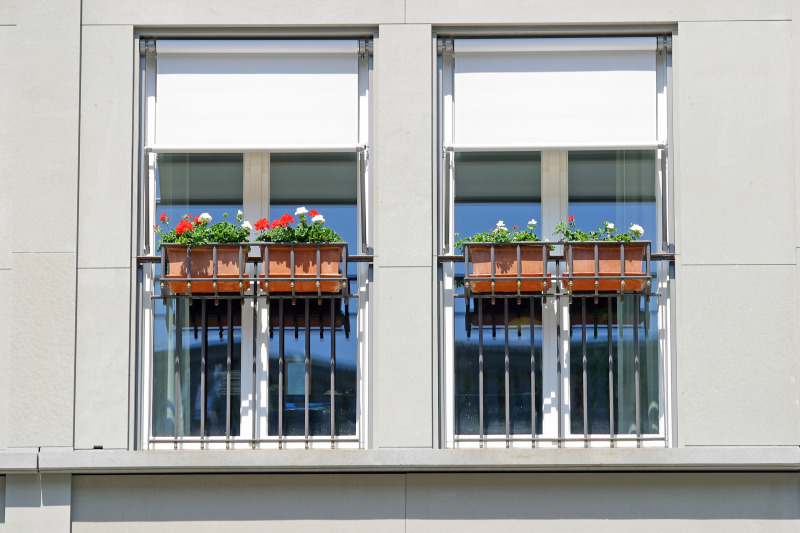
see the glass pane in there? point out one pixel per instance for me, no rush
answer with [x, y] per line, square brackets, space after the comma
[329, 184]
[190, 184]
[618, 187]
[613, 186]
[614, 363]
[178, 363]
[492, 186]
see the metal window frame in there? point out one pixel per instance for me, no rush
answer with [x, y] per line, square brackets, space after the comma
[557, 154]
[257, 157]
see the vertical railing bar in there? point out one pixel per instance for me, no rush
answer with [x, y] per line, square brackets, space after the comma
[362, 183]
[559, 388]
[636, 370]
[307, 376]
[507, 379]
[480, 370]
[254, 394]
[203, 369]
[448, 248]
[319, 279]
[622, 262]
[281, 356]
[494, 273]
[178, 347]
[533, 371]
[664, 209]
[214, 271]
[584, 363]
[519, 271]
[229, 364]
[333, 369]
[610, 376]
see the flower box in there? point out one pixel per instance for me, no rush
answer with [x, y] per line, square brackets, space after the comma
[278, 264]
[178, 258]
[532, 259]
[609, 261]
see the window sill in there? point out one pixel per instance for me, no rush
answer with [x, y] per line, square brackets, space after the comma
[707, 458]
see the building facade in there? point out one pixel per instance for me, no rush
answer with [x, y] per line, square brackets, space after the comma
[408, 398]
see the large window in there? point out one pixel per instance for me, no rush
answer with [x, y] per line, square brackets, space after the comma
[546, 129]
[263, 127]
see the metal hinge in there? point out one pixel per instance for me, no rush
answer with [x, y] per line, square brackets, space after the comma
[365, 49]
[664, 45]
[147, 46]
[445, 47]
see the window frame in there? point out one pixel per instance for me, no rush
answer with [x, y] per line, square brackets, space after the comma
[256, 204]
[554, 195]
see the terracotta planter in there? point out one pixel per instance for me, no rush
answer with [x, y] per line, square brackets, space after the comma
[609, 264]
[533, 257]
[305, 266]
[202, 267]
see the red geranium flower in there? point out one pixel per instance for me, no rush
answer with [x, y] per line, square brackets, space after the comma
[287, 218]
[516, 227]
[313, 213]
[571, 219]
[196, 220]
[261, 224]
[279, 223]
[163, 217]
[183, 227]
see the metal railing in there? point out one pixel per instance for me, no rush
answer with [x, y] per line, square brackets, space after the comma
[496, 302]
[289, 296]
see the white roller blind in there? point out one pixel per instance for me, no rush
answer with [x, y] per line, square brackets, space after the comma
[256, 93]
[573, 91]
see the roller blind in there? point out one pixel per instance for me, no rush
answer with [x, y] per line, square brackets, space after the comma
[569, 91]
[233, 93]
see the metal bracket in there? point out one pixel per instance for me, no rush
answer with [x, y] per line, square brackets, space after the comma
[664, 45]
[445, 47]
[365, 49]
[147, 46]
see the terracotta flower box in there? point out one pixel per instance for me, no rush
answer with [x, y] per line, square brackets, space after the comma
[202, 267]
[609, 265]
[278, 266]
[533, 257]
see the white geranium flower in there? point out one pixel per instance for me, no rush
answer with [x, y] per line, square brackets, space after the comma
[318, 218]
[610, 225]
[637, 229]
[300, 211]
[501, 224]
[532, 222]
[246, 225]
[240, 212]
[205, 217]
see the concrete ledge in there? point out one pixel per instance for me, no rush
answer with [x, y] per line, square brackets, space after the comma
[12, 462]
[417, 460]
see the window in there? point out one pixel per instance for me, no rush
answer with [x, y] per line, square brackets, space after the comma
[262, 127]
[544, 129]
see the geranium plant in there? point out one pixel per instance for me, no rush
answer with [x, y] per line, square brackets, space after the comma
[502, 234]
[194, 231]
[310, 228]
[608, 232]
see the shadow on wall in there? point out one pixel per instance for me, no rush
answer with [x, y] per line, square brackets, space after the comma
[382, 502]
[617, 496]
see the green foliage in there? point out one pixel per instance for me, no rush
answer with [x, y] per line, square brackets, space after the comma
[308, 230]
[607, 232]
[198, 231]
[502, 234]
